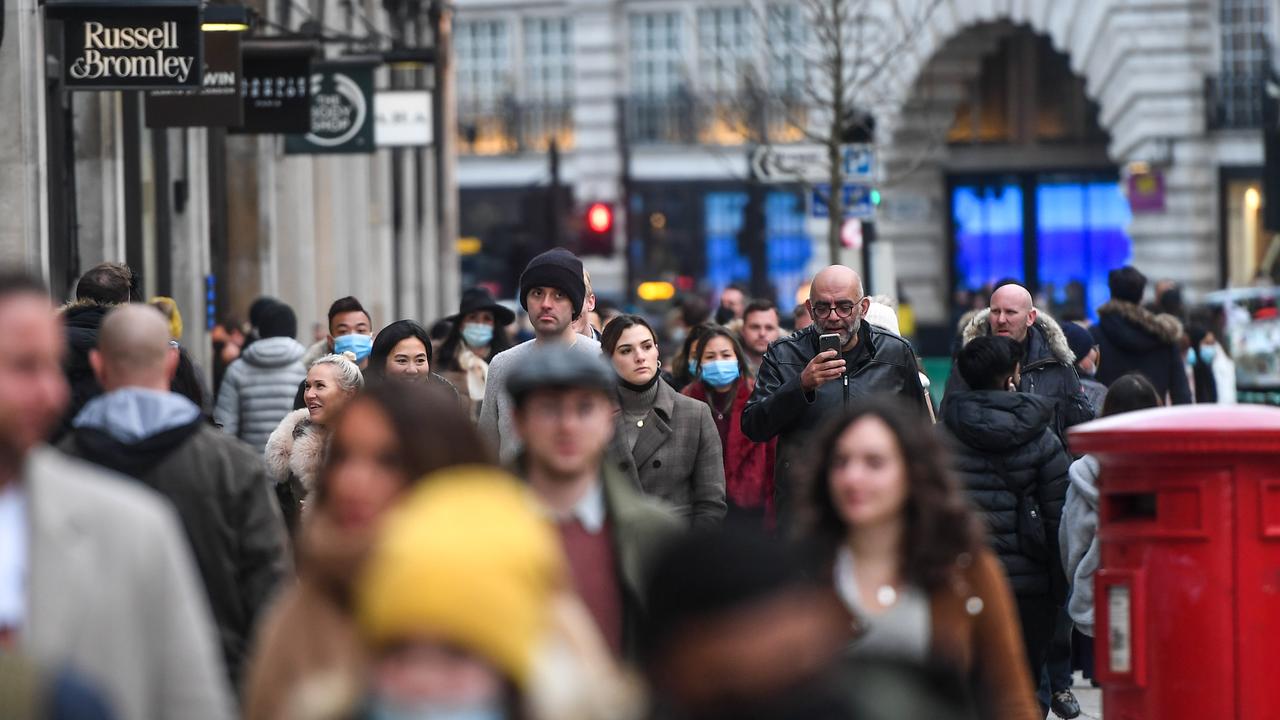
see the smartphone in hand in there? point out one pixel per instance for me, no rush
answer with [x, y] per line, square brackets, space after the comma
[829, 341]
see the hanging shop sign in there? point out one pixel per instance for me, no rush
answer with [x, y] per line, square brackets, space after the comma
[341, 110]
[274, 87]
[217, 103]
[402, 118]
[129, 46]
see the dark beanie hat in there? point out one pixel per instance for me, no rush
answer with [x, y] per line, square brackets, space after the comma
[1079, 339]
[277, 320]
[556, 268]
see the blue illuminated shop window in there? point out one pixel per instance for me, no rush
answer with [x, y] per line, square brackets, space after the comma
[788, 249]
[1081, 235]
[988, 233]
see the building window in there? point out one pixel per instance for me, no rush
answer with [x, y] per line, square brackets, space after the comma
[657, 54]
[485, 86]
[1239, 86]
[545, 111]
[787, 73]
[724, 63]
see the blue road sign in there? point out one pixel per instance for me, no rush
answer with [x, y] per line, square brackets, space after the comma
[857, 202]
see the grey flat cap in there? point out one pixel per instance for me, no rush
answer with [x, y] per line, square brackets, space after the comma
[557, 366]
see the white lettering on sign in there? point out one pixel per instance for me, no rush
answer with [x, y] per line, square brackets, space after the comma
[100, 42]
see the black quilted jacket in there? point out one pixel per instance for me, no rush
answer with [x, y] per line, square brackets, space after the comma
[1004, 445]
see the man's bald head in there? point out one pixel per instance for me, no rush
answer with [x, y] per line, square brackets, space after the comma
[134, 349]
[837, 304]
[1012, 312]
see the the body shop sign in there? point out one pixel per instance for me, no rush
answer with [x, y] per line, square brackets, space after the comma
[130, 47]
[342, 116]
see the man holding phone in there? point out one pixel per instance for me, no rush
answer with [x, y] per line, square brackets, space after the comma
[810, 377]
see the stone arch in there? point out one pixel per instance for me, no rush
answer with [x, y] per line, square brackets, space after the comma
[1143, 65]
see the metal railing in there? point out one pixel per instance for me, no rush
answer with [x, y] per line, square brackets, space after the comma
[511, 126]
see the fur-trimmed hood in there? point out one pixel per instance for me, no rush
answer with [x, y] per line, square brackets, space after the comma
[1047, 342]
[1136, 329]
[297, 447]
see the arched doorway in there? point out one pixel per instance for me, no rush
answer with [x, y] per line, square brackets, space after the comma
[998, 168]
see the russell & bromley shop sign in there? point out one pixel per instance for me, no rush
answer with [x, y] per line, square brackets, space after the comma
[108, 47]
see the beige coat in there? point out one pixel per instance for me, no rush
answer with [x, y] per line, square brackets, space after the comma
[114, 593]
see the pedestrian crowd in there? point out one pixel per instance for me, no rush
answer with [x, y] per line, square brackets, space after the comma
[397, 522]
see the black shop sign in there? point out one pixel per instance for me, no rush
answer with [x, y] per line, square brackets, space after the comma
[130, 47]
[217, 103]
[275, 86]
[342, 113]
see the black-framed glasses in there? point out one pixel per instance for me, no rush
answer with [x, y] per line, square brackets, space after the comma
[842, 309]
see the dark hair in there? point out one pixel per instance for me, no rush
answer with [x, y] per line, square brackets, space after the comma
[453, 343]
[277, 320]
[17, 281]
[388, 338]
[761, 305]
[680, 373]
[694, 311]
[986, 361]
[613, 332]
[347, 304]
[186, 382]
[258, 307]
[431, 428]
[715, 331]
[1129, 393]
[1127, 284]
[939, 524]
[108, 283]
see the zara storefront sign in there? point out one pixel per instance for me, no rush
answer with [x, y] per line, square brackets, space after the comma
[130, 47]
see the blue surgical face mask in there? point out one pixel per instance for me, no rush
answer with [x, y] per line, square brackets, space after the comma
[359, 345]
[720, 373]
[477, 334]
[693, 367]
[382, 709]
[1207, 353]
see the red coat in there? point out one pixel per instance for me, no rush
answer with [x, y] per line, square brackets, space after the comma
[748, 465]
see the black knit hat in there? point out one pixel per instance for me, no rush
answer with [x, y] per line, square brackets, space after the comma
[556, 268]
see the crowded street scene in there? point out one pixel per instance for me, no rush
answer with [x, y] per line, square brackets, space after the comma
[639, 359]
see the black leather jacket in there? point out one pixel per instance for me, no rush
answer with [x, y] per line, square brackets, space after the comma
[780, 408]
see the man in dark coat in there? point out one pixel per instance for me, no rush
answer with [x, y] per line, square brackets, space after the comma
[1133, 339]
[1047, 361]
[218, 486]
[1014, 470]
[799, 389]
[101, 288]
[563, 412]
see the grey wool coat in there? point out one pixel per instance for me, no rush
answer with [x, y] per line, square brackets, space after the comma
[677, 457]
[113, 592]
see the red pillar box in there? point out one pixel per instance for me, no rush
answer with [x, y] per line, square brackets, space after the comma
[1187, 600]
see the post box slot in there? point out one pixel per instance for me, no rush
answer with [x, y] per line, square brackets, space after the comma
[1135, 507]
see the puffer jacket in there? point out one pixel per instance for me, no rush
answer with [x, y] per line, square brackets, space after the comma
[257, 390]
[218, 487]
[1004, 448]
[1048, 370]
[780, 408]
[1132, 339]
[1078, 538]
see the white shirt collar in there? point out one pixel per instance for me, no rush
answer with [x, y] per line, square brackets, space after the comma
[13, 555]
[589, 510]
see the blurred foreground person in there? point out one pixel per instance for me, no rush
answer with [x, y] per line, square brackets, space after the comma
[464, 608]
[905, 555]
[257, 389]
[564, 407]
[1014, 470]
[665, 442]
[31, 693]
[724, 383]
[218, 485]
[384, 442]
[94, 571]
[1078, 534]
[743, 633]
[296, 449]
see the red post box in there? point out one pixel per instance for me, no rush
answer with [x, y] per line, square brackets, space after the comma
[1187, 598]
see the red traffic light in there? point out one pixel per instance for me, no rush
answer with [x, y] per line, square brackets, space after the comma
[600, 218]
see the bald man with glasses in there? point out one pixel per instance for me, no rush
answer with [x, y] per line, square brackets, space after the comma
[799, 389]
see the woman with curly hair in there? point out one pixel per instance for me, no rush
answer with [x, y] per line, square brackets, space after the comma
[907, 557]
